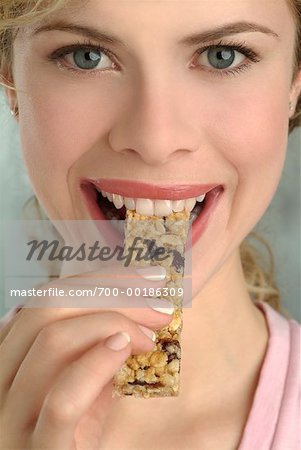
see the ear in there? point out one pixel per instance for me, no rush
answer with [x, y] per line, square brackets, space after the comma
[295, 92]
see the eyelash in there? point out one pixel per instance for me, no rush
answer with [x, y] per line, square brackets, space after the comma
[252, 56]
[58, 55]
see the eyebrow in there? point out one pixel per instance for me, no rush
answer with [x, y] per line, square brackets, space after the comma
[227, 30]
[194, 39]
[83, 30]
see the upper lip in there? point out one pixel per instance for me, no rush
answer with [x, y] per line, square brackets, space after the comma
[138, 189]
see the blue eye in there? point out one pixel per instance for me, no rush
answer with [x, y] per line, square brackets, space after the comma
[88, 59]
[225, 59]
[221, 57]
[84, 57]
[217, 59]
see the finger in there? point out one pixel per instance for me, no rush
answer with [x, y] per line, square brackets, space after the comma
[97, 287]
[98, 297]
[144, 278]
[114, 271]
[10, 318]
[31, 321]
[56, 347]
[73, 394]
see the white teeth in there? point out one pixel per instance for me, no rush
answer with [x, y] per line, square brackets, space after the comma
[118, 201]
[129, 203]
[145, 206]
[163, 208]
[190, 204]
[150, 207]
[178, 205]
[200, 198]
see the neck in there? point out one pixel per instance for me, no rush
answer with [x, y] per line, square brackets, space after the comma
[224, 338]
[224, 341]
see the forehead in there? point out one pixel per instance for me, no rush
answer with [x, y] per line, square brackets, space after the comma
[171, 18]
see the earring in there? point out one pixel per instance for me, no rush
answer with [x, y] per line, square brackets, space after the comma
[290, 106]
[15, 111]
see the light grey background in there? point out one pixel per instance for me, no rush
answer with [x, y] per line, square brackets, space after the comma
[280, 225]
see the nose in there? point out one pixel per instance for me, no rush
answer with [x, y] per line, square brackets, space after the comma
[155, 125]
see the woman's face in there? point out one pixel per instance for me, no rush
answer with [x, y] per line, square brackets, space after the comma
[158, 107]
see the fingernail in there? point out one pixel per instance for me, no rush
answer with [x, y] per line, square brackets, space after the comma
[153, 273]
[169, 311]
[118, 341]
[149, 333]
[153, 304]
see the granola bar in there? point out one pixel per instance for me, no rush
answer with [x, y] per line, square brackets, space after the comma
[157, 373]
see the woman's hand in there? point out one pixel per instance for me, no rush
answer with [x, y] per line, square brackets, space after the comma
[57, 366]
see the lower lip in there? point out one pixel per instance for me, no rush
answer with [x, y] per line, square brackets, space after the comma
[198, 226]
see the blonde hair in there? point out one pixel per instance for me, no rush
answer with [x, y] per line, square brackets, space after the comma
[16, 13]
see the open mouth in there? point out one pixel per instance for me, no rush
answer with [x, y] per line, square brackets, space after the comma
[109, 209]
[105, 205]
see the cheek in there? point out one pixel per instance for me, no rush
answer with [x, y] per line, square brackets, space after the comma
[261, 141]
[60, 125]
[248, 127]
[61, 122]
[253, 140]
[255, 130]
